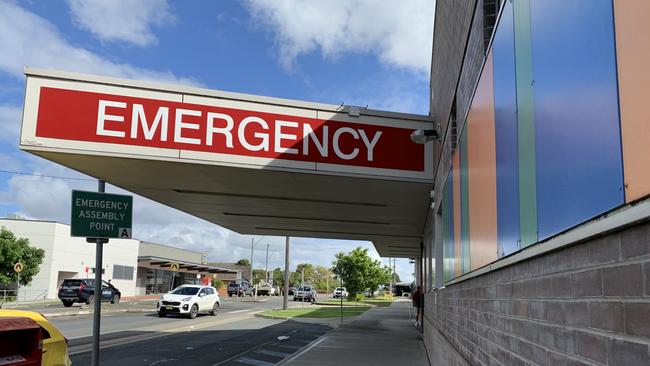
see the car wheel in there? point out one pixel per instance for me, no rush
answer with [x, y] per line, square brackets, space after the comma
[194, 311]
[90, 299]
[115, 299]
[161, 314]
[67, 304]
[215, 309]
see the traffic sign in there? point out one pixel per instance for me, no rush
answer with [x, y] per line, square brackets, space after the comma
[18, 267]
[101, 215]
[174, 267]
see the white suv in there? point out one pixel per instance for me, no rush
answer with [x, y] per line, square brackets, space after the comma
[340, 292]
[189, 300]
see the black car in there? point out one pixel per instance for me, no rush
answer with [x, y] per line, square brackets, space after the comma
[83, 291]
[240, 289]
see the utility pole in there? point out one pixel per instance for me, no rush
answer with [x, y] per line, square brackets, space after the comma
[267, 263]
[285, 301]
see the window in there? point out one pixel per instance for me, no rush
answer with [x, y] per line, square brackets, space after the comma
[122, 272]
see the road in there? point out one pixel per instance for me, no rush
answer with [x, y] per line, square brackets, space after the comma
[233, 337]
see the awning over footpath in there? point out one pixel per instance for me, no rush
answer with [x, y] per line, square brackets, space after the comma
[183, 266]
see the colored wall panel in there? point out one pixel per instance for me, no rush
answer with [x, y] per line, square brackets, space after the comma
[633, 56]
[464, 201]
[525, 124]
[455, 184]
[481, 159]
[507, 149]
[578, 151]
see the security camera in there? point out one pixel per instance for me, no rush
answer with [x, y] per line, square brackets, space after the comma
[423, 136]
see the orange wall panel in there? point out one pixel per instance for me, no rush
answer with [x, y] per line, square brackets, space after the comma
[633, 58]
[482, 172]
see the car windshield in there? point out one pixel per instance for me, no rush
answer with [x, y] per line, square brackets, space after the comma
[338, 289]
[185, 291]
[306, 288]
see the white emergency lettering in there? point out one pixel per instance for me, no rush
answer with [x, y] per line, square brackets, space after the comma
[162, 119]
[253, 133]
[335, 143]
[180, 125]
[279, 136]
[103, 117]
[264, 145]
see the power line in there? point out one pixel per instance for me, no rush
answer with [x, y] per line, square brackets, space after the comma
[46, 176]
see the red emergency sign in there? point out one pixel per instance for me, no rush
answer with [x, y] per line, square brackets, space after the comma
[107, 118]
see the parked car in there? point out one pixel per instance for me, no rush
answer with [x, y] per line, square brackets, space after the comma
[189, 300]
[340, 292]
[265, 289]
[305, 293]
[240, 288]
[83, 291]
[55, 345]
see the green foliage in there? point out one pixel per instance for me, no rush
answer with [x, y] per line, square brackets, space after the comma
[360, 272]
[278, 277]
[322, 278]
[217, 283]
[258, 275]
[243, 262]
[12, 250]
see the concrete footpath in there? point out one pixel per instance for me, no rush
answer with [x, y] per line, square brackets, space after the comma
[380, 336]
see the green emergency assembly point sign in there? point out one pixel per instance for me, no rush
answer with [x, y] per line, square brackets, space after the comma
[101, 215]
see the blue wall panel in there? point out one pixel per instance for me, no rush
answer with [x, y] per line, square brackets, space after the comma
[579, 169]
[505, 109]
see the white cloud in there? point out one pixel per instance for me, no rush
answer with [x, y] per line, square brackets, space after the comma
[10, 117]
[122, 20]
[399, 32]
[26, 39]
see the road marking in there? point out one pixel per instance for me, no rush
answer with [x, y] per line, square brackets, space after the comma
[237, 311]
[273, 353]
[323, 337]
[252, 361]
[158, 333]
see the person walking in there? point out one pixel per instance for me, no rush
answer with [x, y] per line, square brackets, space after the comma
[417, 304]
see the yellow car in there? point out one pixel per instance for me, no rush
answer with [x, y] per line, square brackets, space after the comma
[55, 345]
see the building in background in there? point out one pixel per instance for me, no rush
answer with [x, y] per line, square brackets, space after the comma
[541, 252]
[133, 266]
[242, 272]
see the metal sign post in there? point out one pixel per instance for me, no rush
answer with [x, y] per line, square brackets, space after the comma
[174, 268]
[97, 312]
[18, 267]
[341, 282]
[99, 216]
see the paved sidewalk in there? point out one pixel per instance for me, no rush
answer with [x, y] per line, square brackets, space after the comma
[380, 336]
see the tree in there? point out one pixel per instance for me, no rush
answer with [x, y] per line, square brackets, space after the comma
[323, 277]
[359, 272]
[258, 275]
[217, 283]
[13, 250]
[243, 262]
[278, 277]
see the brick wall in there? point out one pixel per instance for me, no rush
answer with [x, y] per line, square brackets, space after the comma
[588, 304]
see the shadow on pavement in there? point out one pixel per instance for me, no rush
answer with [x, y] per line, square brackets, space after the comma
[201, 347]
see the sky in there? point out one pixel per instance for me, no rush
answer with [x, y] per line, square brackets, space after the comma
[356, 52]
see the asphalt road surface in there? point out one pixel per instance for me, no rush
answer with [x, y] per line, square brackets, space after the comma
[233, 337]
